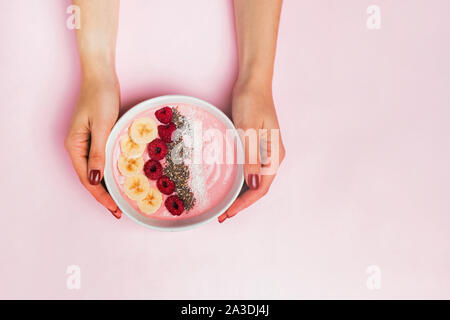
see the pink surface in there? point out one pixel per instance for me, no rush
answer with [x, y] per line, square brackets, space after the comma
[366, 180]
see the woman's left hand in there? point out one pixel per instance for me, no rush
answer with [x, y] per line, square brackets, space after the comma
[253, 111]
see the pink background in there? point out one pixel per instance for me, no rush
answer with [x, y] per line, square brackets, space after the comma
[366, 180]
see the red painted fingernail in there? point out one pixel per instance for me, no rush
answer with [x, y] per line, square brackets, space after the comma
[116, 213]
[253, 181]
[94, 177]
[222, 218]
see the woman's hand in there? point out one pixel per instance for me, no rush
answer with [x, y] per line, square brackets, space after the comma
[95, 115]
[252, 106]
[253, 111]
[98, 104]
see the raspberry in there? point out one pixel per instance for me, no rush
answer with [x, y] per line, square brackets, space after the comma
[165, 132]
[165, 185]
[157, 149]
[174, 205]
[153, 169]
[164, 115]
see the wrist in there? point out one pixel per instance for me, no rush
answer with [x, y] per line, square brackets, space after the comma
[254, 75]
[253, 82]
[97, 63]
[98, 72]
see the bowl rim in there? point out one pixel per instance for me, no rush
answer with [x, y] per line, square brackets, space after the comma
[140, 107]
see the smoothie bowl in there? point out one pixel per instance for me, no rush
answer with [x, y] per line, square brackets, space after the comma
[173, 162]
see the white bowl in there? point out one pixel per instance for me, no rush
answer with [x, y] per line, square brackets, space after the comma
[172, 224]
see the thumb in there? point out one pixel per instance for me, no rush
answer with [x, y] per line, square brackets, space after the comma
[252, 164]
[96, 161]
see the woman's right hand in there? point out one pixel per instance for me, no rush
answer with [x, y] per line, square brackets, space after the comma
[95, 115]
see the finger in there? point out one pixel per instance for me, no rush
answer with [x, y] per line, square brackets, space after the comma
[96, 160]
[101, 195]
[252, 164]
[98, 191]
[77, 150]
[272, 153]
[248, 198]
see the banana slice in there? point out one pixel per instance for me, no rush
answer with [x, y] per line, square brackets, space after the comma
[143, 130]
[151, 202]
[130, 166]
[136, 187]
[130, 148]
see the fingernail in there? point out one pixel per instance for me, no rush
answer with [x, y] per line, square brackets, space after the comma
[222, 218]
[94, 177]
[253, 181]
[116, 213]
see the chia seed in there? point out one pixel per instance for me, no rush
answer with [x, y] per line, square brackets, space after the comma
[177, 171]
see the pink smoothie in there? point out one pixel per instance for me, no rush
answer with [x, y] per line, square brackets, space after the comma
[212, 165]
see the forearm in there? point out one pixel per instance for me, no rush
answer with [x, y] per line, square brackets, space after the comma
[257, 30]
[97, 36]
